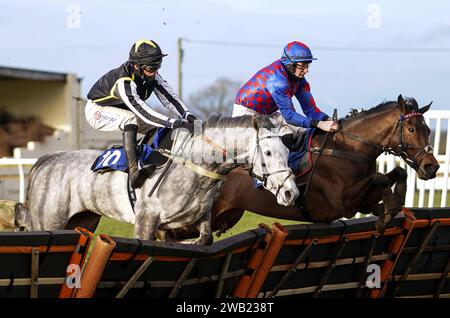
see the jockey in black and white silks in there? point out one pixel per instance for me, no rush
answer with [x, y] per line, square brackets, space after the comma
[117, 102]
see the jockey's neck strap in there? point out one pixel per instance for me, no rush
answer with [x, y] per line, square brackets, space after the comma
[209, 141]
[194, 167]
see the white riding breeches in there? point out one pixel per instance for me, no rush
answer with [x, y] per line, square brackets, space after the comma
[108, 118]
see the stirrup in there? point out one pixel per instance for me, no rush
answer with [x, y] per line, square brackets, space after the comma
[148, 169]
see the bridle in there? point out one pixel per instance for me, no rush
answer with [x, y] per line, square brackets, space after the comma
[265, 172]
[402, 147]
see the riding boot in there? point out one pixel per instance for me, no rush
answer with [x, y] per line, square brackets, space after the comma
[137, 177]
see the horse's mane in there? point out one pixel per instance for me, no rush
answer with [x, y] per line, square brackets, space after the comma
[220, 121]
[411, 105]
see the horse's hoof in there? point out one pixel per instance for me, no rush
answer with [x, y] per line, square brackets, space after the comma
[202, 241]
[380, 226]
[210, 241]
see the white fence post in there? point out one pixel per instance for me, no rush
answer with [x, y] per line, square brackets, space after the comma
[19, 162]
[441, 183]
[446, 167]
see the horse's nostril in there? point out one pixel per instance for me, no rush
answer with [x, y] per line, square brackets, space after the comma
[288, 195]
[431, 169]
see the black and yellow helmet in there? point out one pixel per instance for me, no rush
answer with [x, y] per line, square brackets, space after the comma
[146, 52]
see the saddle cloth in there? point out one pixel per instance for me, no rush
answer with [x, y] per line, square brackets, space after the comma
[114, 159]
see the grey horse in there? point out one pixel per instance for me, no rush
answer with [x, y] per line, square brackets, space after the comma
[62, 185]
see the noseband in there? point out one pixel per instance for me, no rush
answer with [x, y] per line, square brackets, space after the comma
[265, 173]
[404, 146]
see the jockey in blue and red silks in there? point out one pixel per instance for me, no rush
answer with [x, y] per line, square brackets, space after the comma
[269, 93]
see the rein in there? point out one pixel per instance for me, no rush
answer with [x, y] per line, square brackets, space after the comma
[366, 159]
[166, 168]
[402, 146]
[214, 175]
[319, 151]
[189, 164]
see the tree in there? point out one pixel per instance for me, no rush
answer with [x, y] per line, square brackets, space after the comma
[217, 98]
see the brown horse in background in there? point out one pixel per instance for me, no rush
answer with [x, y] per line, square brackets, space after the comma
[344, 180]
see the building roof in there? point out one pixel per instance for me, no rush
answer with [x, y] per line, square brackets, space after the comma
[19, 73]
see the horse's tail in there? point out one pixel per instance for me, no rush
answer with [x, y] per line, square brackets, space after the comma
[22, 217]
[32, 175]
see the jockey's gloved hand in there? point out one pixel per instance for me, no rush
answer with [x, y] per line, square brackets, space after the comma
[189, 117]
[328, 125]
[180, 123]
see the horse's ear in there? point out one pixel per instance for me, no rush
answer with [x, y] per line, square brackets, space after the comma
[255, 123]
[424, 109]
[401, 104]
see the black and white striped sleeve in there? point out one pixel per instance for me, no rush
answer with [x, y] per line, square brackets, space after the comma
[169, 98]
[127, 92]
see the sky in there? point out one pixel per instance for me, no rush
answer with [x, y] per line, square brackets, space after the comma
[236, 38]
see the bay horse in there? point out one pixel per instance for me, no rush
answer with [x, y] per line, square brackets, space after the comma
[345, 180]
[63, 192]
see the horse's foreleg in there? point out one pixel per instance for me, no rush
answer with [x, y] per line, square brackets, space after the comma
[393, 201]
[390, 209]
[364, 196]
[146, 225]
[204, 227]
[398, 177]
[380, 182]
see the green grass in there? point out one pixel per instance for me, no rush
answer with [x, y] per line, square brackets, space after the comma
[248, 222]
[114, 228]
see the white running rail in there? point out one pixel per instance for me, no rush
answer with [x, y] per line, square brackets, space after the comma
[19, 163]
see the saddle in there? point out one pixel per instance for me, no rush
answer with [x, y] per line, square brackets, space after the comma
[157, 138]
[149, 159]
[114, 159]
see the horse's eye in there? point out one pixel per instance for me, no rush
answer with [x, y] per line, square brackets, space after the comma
[268, 153]
[411, 130]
